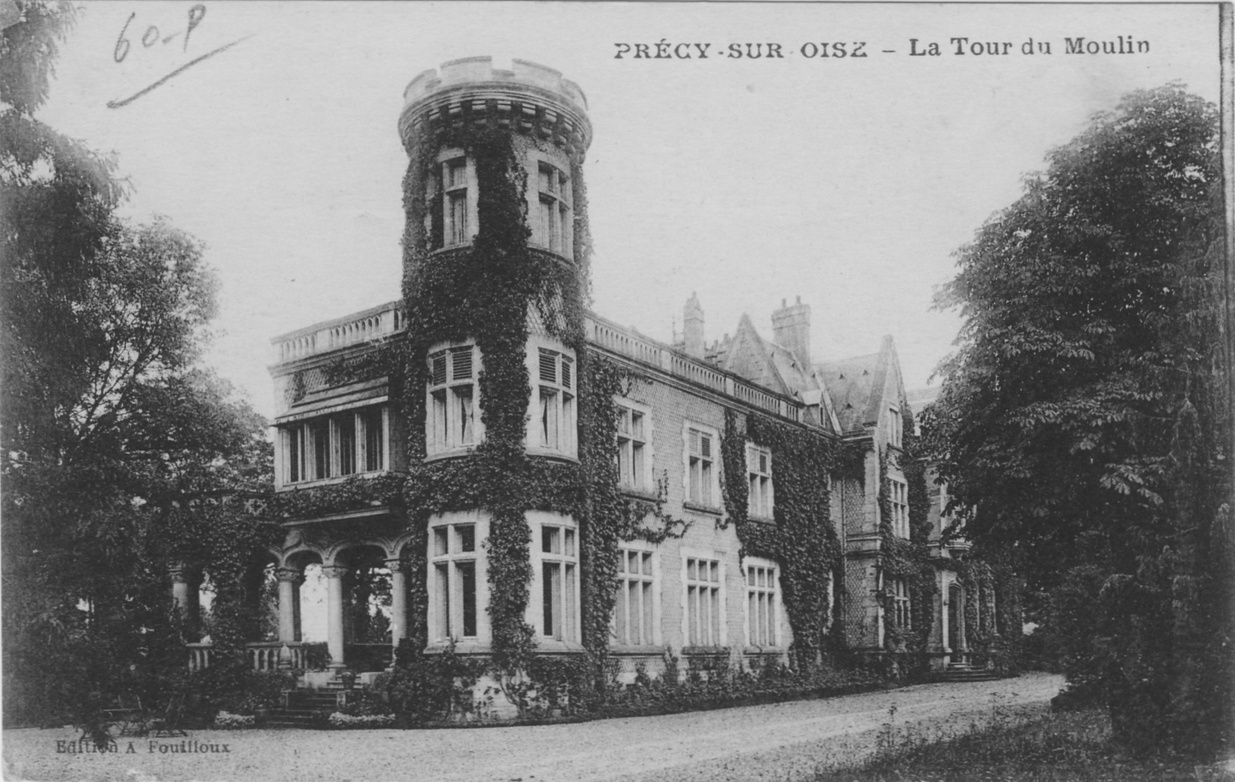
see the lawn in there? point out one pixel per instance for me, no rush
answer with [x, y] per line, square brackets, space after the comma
[1058, 747]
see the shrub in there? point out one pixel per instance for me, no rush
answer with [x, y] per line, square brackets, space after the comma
[227, 720]
[343, 720]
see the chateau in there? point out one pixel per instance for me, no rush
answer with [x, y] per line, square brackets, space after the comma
[531, 478]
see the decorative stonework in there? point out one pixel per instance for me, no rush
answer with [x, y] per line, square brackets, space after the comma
[529, 98]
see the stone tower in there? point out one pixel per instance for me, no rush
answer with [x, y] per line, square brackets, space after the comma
[495, 273]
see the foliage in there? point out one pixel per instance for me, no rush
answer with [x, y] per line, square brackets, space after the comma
[355, 493]
[490, 292]
[803, 540]
[344, 720]
[428, 687]
[106, 421]
[1068, 747]
[1085, 419]
[227, 721]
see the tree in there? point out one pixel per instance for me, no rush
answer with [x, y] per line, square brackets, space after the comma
[106, 420]
[1081, 421]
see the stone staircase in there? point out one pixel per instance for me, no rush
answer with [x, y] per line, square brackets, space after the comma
[964, 672]
[303, 706]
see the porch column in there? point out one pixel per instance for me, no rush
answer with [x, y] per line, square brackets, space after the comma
[398, 600]
[290, 580]
[334, 613]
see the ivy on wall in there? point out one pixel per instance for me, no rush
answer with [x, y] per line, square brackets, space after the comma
[803, 540]
[486, 292]
[907, 559]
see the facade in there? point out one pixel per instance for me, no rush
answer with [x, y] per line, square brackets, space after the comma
[531, 478]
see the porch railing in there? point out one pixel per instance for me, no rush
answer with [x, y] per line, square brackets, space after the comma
[263, 656]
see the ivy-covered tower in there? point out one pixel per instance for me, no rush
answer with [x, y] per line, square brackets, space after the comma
[496, 253]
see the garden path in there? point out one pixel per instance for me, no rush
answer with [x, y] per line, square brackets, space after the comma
[784, 741]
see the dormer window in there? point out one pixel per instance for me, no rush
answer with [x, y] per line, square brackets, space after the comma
[452, 420]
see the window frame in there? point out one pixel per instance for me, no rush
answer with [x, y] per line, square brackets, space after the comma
[455, 600]
[629, 445]
[902, 606]
[709, 479]
[301, 462]
[649, 631]
[760, 505]
[567, 630]
[898, 500]
[715, 618]
[768, 594]
[461, 191]
[553, 409]
[444, 420]
[896, 428]
[558, 199]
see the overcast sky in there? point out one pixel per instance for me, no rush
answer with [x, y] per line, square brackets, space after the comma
[848, 182]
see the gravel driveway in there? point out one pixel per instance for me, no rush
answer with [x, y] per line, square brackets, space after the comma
[785, 741]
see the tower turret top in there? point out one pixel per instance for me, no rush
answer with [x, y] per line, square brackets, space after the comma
[528, 97]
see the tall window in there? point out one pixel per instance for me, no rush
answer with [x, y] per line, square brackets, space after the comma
[900, 508]
[760, 603]
[759, 474]
[453, 556]
[901, 615]
[452, 400]
[559, 571]
[704, 623]
[701, 467]
[333, 446]
[896, 427]
[633, 616]
[553, 218]
[555, 420]
[454, 201]
[632, 448]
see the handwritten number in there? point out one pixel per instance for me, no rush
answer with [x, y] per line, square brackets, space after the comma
[149, 40]
[196, 14]
[122, 43]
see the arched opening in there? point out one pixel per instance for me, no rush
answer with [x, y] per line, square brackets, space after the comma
[367, 608]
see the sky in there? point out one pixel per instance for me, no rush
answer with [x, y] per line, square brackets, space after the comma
[849, 182]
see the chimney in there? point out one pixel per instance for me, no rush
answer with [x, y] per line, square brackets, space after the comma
[791, 329]
[692, 327]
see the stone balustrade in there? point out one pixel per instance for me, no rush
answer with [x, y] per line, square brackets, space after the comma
[371, 324]
[262, 656]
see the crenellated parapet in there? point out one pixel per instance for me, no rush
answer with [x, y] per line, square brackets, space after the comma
[529, 98]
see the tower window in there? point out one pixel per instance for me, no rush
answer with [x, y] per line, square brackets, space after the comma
[554, 416]
[454, 177]
[453, 552]
[451, 410]
[551, 228]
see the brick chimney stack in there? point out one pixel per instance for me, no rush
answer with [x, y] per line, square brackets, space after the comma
[791, 328]
[692, 327]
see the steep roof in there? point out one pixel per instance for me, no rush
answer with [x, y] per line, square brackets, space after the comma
[858, 386]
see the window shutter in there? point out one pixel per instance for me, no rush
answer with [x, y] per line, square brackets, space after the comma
[437, 369]
[694, 442]
[548, 366]
[763, 463]
[705, 445]
[461, 360]
[566, 372]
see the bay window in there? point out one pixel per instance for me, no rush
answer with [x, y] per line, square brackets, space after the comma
[351, 442]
